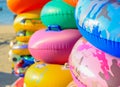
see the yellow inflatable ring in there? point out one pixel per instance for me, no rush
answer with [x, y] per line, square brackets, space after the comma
[29, 21]
[23, 38]
[20, 48]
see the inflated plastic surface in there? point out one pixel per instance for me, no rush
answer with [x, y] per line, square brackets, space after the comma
[53, 46]
[21, 6]
[98, 22]
[47, 75]
[57, 12]
[92, 67]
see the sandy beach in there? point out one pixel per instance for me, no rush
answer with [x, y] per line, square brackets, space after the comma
[6, 35]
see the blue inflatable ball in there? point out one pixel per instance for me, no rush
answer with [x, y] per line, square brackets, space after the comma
[99, 22]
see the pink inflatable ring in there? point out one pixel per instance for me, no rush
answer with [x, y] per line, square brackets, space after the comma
[92, 67]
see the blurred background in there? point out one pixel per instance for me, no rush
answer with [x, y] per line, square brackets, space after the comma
[6, 17]
[6, 35]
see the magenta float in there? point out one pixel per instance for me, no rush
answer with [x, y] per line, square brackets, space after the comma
[53, 46]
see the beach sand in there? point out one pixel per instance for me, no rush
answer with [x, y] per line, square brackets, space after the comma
[7, 34]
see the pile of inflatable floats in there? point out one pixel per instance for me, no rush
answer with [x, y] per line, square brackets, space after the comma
[66, 43]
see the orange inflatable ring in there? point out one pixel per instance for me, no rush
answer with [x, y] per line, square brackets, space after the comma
[71, 2]
[21, 6]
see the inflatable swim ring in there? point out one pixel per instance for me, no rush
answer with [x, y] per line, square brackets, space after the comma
[13, 57]
[47, 75]
[98, 22]
[26, 24]
[18, 70]
[20, 48]
[23, 35]
[92, 67]
[29, 21]
[53, 46]
[57, 12]
[21, 65]
[21, 6]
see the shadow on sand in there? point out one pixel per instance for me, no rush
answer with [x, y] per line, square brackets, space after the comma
[7, 79]
[5, 42]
